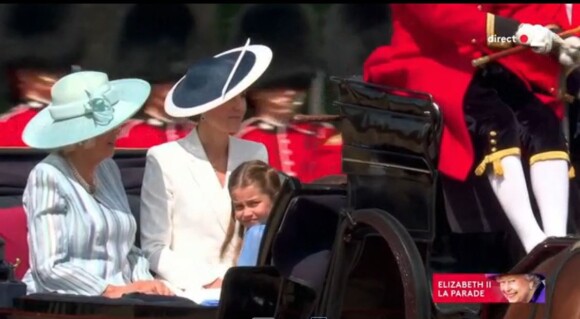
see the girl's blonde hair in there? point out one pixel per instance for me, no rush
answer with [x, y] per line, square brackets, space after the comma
[260, 175]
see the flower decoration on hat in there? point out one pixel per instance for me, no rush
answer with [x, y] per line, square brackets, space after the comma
[101, 108]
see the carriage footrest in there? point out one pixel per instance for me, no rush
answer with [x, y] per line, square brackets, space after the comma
[9, 291]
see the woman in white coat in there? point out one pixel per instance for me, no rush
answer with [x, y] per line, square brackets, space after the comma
[185, 204]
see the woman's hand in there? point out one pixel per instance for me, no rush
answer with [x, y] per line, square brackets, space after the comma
[151, 287]
[115, 291]
[216, 284]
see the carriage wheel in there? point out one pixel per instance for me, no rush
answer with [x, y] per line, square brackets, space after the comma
[417, 296]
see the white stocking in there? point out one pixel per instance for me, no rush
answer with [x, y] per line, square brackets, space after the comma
[512, 193]
[551, 186]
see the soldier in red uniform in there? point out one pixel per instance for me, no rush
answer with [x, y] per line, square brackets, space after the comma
[293, 146]
[33, 91]
[33, 60]
[155, 127]
[328, 158]
[280, 93]
[364, 27]
[494, 114]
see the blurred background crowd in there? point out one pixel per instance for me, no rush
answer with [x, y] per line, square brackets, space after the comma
[157, 42]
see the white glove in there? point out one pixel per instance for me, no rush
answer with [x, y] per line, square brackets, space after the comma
[539, 38]
[570, 51]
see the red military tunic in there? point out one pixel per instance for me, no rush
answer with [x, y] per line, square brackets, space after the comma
[178, 129]
[158, 128]
[33, 90]
[431, 51]
[572, 15]
[138, 133]
[13, 122]
[292, 148]
[328, 158]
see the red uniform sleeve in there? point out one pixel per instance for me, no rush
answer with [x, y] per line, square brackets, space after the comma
[461, 23]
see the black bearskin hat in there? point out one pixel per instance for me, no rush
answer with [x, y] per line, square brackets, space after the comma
[40, 42]
[42, 36]
[351, 33]
[152, 42]
[287, 29]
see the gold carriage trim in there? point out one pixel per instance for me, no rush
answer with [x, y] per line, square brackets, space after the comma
[495, 159]
[551, 155]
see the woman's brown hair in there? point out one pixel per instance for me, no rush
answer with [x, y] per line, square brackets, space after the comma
[258, 174]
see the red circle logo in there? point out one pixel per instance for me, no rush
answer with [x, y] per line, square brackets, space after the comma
[523, 38]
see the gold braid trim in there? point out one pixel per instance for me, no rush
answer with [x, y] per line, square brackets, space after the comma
[495, 159]
[490, 26]
[545, 156]
[334, 140]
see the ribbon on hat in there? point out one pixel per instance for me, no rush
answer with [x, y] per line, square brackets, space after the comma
[99, 104]
[224, 90]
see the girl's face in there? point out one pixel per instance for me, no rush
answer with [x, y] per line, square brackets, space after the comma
[251, 205]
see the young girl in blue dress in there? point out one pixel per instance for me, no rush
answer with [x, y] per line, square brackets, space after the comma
[253, 188]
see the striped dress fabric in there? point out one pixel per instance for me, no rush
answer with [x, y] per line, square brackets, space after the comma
[79, 243]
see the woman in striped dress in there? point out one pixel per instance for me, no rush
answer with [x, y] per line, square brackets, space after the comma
[81, 230]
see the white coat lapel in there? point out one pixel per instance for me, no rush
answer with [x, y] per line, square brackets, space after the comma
[234, 156]
[206, 179]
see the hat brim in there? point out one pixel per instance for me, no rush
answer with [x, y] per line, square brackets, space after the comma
[263, 57]
[43, 132]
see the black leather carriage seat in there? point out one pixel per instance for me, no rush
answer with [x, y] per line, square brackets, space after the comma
[391, 144]
[390, 155]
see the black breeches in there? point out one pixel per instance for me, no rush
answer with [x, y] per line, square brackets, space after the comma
[501, 113]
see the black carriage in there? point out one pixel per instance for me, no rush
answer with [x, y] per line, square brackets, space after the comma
[363, 247]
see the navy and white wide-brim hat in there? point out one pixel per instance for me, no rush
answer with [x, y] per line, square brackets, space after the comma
[84, 105]
[214, 81]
